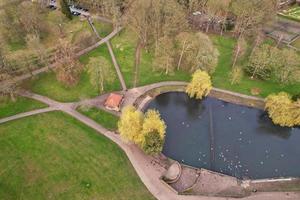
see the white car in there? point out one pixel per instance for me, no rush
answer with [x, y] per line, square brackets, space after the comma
[197, 13]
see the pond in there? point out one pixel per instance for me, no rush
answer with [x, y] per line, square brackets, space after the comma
[231, 139]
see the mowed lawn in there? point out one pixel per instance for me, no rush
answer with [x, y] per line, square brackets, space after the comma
[106, 119]
[53, 156]
[47, 84]
[21, 104]
[124, 48]
[221, 78]
[103, 28]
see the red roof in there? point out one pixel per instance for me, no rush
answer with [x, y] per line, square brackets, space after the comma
[114, 101]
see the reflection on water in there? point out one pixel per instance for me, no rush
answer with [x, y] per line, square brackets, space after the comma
[228, 138]
[266, 126]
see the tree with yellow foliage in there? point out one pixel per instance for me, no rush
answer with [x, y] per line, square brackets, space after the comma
[130, 124]
[283, 110]
[200, 85]
[296, 112]
[146, 131]
[153, 133]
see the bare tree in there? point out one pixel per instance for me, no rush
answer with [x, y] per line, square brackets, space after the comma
[250, 15]
[153, 19]
[68, 68]
[164, 59]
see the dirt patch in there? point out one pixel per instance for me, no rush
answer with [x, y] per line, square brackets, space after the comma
[33, 172]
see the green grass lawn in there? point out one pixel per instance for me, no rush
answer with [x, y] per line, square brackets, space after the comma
[16, 45]
[106, 119]
[221, 76]
[102, 28]
[46, 84]
[124, 48]
[53, 156]
[22, 104]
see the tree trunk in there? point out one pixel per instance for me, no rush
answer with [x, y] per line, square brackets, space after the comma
[167, 68]
[207, 27]
[138, 49]
[236, 55]
[223, 27]
[181, 55]
[101, 83]
[279, 40]
[255, 45]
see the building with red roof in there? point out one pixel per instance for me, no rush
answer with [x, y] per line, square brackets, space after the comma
[114, 102]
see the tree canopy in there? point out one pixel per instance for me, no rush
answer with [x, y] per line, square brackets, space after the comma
[283, 110]
[200, 85]
[100, 73]
[147, 131]
[131, 124]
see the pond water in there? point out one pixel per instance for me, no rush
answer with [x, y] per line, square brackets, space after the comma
[231, 139]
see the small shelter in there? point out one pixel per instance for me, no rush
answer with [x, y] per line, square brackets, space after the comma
[114, 102]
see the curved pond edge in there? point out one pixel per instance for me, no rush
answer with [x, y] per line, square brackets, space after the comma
[286, 184]
[223, 184]
[143, 100]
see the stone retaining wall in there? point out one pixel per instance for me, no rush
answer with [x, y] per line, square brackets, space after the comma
[225, 95]
[237, 98]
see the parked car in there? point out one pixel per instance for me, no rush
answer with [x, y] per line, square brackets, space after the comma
[75, 13]
[52, 7]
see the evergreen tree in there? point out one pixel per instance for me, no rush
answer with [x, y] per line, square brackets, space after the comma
[153, 143]
[65, 9]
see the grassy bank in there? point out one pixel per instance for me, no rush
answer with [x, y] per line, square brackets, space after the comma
[20, 105]
[46, 84]
[221, 77]
[105, 119]
[53, 156]
[124, 47]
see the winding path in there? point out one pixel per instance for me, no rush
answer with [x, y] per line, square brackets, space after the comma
[145, 168]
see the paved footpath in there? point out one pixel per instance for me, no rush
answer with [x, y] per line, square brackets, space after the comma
[148, 171]
[112, 55]
[116, 65]
[27, 114]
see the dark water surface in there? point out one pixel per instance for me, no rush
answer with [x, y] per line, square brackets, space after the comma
[227, 138]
